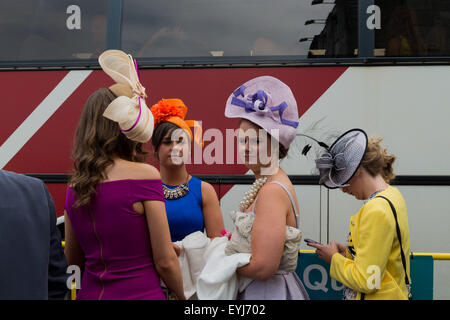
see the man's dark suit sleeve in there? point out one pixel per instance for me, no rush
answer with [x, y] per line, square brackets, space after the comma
[57, 268]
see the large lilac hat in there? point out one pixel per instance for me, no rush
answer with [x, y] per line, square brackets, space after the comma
[267, 102]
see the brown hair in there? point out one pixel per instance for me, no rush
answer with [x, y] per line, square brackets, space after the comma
[160, 132]
[282, 151]
[98, 141]
[377, 161]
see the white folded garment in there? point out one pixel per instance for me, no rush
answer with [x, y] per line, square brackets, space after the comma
[218, 279]
[191, 260]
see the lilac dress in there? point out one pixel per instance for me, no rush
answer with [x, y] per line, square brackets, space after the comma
[115, 241]
[284, 284]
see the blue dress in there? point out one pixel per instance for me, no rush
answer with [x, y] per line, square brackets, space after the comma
[185, 214]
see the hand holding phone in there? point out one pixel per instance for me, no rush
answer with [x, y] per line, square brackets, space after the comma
[308, 241]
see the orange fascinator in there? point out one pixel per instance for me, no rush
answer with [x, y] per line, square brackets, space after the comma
[174, 111]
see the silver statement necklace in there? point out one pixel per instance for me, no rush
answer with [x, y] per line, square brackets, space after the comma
[250, 195]
[178, 192]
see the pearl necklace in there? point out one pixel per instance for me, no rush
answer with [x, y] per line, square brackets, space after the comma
[250, 195]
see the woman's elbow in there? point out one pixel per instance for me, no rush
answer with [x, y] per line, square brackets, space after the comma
[166, 264]
[264, 272]
[73, 258]
[263, 275]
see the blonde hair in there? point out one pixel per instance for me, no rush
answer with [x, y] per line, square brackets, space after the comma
[377, 161]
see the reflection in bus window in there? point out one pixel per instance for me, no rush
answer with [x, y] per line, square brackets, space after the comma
[202, 28]
[402, 37]
[339, 37]
[52, 30]
[414, 28]
[14, 24]
[172, 41]
[77, 29]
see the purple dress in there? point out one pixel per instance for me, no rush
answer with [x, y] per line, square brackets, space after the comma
[115, 241]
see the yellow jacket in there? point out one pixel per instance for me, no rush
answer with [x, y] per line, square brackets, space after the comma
[374, 238]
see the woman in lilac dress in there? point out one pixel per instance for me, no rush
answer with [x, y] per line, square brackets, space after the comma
[267, 221]
[116, 225]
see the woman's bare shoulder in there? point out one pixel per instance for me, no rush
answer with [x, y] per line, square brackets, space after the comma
[133, 170]
[207, 188]
[274, 194]
[146, 171]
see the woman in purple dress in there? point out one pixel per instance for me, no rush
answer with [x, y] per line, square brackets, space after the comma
[116, 225]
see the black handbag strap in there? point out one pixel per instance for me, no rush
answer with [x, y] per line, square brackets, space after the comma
[408, 284]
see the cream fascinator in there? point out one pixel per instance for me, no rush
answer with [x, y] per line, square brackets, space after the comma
[129, 109]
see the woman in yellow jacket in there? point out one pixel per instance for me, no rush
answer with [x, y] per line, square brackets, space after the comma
[375, 263]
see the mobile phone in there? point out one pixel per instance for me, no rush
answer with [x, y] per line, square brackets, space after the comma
[312, 241]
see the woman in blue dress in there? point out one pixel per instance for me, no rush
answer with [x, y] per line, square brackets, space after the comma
[191, 204]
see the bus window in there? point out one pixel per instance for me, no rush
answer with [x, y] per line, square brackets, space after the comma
[244, 28]
[339, 36]
[414, 28]
[52, 30]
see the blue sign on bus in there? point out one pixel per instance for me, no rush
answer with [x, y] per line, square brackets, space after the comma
[315, 275]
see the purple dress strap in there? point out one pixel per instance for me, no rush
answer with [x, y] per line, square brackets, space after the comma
[147, 190]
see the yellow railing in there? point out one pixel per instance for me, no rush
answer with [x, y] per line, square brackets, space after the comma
[435, 255]
[73, 291]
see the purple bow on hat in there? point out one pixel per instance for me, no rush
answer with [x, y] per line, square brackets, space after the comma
[257, 102]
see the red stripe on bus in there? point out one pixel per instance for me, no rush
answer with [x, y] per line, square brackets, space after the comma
[22, 92]
[204, 91]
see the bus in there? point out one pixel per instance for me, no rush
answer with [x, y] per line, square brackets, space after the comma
[379, 65]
